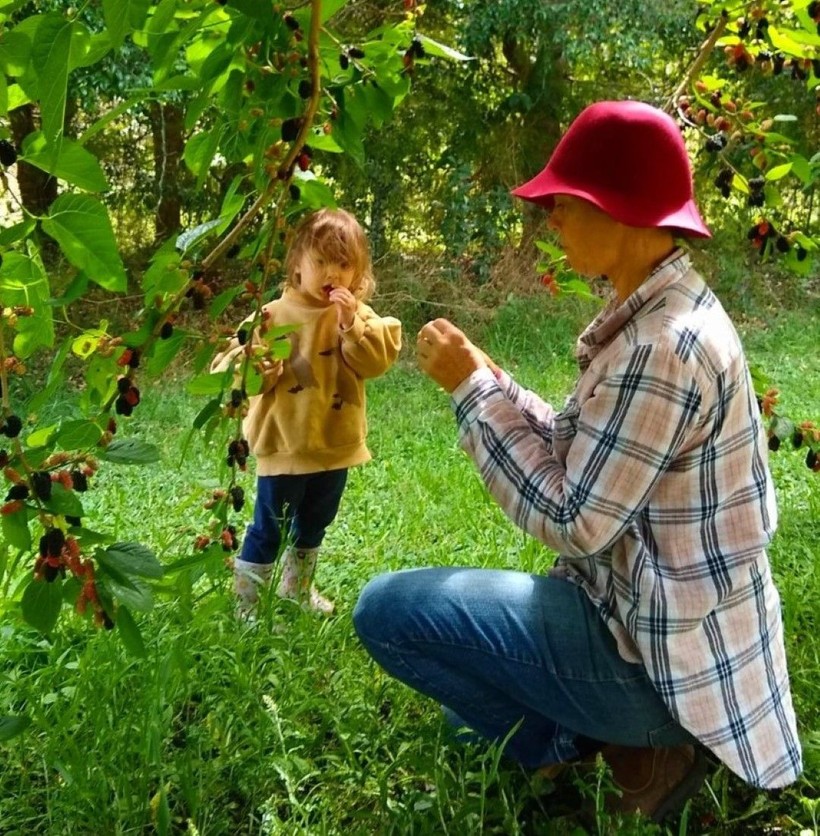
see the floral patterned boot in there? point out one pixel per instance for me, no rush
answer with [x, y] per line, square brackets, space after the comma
[298, 568]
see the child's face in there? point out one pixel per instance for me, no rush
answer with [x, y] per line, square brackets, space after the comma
[319, 275]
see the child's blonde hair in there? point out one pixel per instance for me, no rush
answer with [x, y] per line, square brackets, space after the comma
[338, 237]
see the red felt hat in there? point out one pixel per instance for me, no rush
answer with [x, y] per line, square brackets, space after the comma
[627, 158]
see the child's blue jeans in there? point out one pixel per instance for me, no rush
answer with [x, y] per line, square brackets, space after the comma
[297, 508]
[499, 647]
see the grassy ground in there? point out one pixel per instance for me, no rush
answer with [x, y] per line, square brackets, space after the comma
[287, 727]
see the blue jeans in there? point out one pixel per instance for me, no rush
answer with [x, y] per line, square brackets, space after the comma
[498, 647]
[296, 508]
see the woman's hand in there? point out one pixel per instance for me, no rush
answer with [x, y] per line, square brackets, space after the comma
[346, 305]
[446, 355]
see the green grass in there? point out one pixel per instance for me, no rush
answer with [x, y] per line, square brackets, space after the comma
[287, 727]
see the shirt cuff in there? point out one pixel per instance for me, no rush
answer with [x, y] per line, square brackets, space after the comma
[470, 396]
[355, 332]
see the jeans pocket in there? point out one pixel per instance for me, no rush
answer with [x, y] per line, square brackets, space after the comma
[670, 734]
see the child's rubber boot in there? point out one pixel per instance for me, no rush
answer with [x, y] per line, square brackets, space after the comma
[248, 578]
[298, 569]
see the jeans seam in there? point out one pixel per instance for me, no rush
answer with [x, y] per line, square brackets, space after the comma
[413, 640]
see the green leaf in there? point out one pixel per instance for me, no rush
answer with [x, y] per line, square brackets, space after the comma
[15, 52]
[13, 726]
[131, 591]
[81, 226]
[11, 234]
[117, 20]
[132, 559]
[130, 451]
[41, 604]
[50, 54]
[64, 501]
[164, 352]
[78, 435]
[66, 160]
[210, 409]
[432, 47]
[130, 633]
[207, 384]
[55, 378]
[192, 236]
[221, 302]
[41, 437]
[779, 171]
[16, 531]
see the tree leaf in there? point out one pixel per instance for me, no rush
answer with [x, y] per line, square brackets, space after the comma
[41, 604]
[64, 501]
[192, 236]
[66, 160]
[130, 451]
[432, 47]
[211, 408]
[16, 531]
[133, 559]
[78, 435]
[13, 726]
[131, 591]
[50, 54]
[130, 633]
[207, 384]
[164, 352]
[81, 226]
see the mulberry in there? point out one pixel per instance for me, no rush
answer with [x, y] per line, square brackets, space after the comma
[79, 480]
[237, 497]
[41, 485]
[52, 542]
[166, 331]
[290, 129]
[8, 153]
[12, 426]
[18, 491]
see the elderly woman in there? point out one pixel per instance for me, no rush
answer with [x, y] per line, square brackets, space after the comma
[657, 635]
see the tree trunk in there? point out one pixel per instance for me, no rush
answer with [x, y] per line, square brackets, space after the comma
[38, 190]
[168, 141]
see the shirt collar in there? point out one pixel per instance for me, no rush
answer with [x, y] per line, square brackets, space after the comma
[616, 314]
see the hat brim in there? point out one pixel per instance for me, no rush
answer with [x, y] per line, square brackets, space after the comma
[542, 188]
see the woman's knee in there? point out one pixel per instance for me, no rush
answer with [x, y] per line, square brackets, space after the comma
[372, 608]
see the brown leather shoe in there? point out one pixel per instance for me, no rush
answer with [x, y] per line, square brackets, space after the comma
[656, 782]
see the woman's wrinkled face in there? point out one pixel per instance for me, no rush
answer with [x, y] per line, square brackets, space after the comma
[591, 239]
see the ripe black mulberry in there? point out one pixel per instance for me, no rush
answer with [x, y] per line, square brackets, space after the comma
[290, 129]
[79, 480]
[41, 484]
[12, 426]
[237, 497]
[8, 153]
[18, 491]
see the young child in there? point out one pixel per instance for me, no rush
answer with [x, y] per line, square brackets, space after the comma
[308, 426]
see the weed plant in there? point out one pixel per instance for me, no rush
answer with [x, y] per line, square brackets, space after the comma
[286, 726]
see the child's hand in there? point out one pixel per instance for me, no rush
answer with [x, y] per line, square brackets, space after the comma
[346, 305]
[271, 371]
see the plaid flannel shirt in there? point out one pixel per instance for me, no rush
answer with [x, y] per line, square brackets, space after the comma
[653, 486]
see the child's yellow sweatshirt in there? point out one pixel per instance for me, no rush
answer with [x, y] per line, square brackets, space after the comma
[314, 417]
